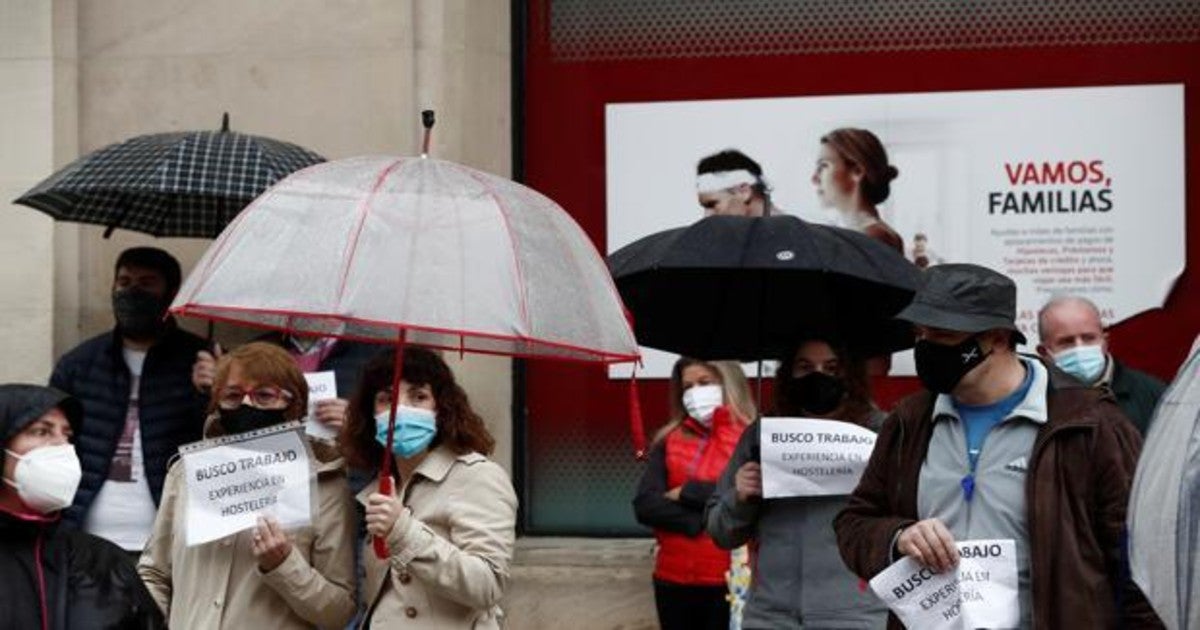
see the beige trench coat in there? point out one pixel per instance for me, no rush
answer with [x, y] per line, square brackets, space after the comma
[218, 584]
[450, 548]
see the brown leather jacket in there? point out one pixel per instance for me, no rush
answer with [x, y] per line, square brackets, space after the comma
[1076, 493]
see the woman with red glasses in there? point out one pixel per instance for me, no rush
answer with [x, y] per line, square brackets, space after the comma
[263, 577]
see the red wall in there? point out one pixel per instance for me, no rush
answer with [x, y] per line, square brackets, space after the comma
[564, 158]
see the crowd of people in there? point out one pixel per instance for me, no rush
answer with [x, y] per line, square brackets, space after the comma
[1037, 448]
[95, 503]
[1040, 449]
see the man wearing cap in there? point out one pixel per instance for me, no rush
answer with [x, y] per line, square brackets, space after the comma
[999, 445]
[1074, 339]
[730, 183]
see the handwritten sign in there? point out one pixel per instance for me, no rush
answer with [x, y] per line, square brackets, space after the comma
[804, 457]
[321, 386]
[981, 592]
[232, 480]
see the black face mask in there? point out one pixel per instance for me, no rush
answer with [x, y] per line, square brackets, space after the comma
[816, 392]
[941, 367]
[139, 313]
[247, 418]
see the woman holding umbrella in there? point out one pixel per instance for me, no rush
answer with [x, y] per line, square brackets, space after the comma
[710, 406]
[800, 580]
[451, 526]
[263, 577]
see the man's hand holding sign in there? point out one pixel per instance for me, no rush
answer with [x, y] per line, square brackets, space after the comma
[978, 591]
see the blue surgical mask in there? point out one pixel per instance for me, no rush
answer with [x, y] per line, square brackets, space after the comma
[415, 429]
[1085, 363]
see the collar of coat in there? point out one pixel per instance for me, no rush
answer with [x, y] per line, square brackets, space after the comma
[435, 467]
[1033, 407]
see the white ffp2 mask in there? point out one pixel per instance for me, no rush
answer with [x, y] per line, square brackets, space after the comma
[702, 400]
[47, 477]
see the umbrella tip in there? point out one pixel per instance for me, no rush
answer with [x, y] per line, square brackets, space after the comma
[427, 120]
[225, 122]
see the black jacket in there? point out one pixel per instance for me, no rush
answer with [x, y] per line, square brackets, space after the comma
[1137, 394]
[171, 410]
[80, 581]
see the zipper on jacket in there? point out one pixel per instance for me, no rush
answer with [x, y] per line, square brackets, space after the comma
[41, 574]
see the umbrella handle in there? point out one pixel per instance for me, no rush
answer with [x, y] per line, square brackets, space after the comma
[381, 548]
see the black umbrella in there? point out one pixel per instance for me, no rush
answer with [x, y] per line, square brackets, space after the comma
[751, 288]
[168, 184]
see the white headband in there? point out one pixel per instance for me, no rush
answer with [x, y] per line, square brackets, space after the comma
[723, 180]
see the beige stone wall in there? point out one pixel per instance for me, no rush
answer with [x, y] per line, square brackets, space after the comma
[343, 77]
[31, 51]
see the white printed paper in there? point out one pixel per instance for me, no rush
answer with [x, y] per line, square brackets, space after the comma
[233, 481]
[321, 386]
[805, 457]
[981, 592]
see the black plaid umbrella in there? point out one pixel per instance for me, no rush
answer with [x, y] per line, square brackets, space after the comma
[168, 184]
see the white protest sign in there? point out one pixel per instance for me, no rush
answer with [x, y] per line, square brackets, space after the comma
[980, 593]
[804, 457]
[321, 386]
[232, 480]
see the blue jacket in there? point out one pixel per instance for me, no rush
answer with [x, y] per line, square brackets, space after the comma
[171, 410]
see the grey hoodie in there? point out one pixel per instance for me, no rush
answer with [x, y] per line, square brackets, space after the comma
[799, 579]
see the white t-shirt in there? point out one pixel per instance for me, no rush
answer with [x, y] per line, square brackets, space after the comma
[123, 511]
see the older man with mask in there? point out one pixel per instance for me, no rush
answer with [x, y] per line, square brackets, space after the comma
[999, 446]
[1074, 339]
[730, 183]
[135, 383]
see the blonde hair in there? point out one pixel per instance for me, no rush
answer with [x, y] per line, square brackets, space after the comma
[734, 389]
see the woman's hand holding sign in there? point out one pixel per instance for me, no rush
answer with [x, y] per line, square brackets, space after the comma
[271, 545]
[748, 481]
[929, 543]
[382, 512]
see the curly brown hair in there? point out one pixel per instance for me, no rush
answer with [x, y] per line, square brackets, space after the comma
[458, 426]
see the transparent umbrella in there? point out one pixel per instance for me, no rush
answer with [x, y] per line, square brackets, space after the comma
[402, 250]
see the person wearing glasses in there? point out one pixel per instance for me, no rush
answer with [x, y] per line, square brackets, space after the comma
[262, 577]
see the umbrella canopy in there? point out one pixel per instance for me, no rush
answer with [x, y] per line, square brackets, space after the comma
[1164, 506]
[168, 184]
[750, 288]
[371, 248]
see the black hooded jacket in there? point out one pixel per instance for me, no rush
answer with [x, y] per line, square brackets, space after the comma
[57, 578]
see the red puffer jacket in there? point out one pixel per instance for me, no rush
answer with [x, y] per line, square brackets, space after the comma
[696, 454]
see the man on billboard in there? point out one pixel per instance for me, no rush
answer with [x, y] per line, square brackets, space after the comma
[730, 183]
[1074, 339]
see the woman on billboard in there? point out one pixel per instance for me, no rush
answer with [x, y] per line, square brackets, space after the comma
[853, 176]
[710, 406]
